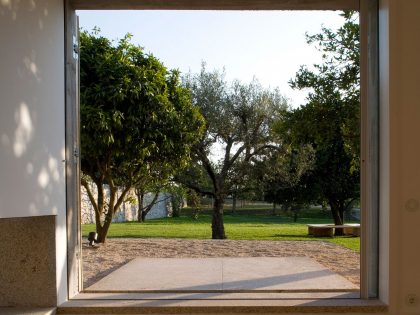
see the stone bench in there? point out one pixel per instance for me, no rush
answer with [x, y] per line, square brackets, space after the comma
[321, 230]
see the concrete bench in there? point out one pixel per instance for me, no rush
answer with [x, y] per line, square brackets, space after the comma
[321, 230]
[352, 229]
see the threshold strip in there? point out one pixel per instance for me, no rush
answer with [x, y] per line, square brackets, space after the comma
[226, 291]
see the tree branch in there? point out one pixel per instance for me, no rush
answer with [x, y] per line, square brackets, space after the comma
[349, 203]
[229, 144]
[228, 163]
[121, 198]
[146, 209]
[198, 189]
[154, 202]
[207, 165]
[258, 150]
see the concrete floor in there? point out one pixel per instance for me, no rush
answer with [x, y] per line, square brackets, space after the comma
[228, 274]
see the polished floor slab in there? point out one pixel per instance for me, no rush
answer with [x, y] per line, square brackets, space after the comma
[222, 274]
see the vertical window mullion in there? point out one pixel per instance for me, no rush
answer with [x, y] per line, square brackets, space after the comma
[369, 65]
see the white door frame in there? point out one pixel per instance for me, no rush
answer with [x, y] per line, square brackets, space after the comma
[369, 115]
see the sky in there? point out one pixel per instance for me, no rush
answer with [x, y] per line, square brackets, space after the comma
[267, 45]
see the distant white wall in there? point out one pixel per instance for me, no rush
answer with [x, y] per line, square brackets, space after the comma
[32, 116]
[128, 210]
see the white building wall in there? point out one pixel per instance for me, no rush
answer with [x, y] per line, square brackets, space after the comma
[32, 116]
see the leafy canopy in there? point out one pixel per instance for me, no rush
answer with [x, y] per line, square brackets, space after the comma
[137, 121]
[134, 112]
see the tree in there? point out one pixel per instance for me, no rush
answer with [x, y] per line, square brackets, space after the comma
[168, 190]
[154, 182]
[285, 178]
[238, 120]
[144, 210]
[136, 120]
[334, 85]
[330, 120]
[194, 201]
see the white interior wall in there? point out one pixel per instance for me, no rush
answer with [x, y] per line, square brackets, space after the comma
[32, 104]
[32, 116]
[400, 155]
[404, 96]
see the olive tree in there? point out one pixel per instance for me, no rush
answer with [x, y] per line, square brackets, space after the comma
[238, 120]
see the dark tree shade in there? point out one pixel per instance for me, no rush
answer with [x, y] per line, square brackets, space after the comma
[330, 121]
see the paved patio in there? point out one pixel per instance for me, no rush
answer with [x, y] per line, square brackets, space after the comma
[227, 274]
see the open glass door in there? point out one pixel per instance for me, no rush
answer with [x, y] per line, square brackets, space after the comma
[72, 152]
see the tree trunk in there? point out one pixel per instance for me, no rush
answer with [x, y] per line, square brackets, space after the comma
[234, 202]
[140, 215]
[175, 207]
[146, 210]
[113, 205]
[102, 230]
[217, 226]
[295, 210]
[140, 198]
[337, 213]
[274, 209]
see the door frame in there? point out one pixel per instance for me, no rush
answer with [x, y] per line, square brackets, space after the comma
[369, 64]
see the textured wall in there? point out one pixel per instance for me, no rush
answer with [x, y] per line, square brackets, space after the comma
[27, 261]
[128, 210]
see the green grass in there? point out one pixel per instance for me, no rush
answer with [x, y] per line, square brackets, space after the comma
[238, 227]
[228, 207]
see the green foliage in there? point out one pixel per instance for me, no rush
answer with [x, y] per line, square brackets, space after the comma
[137, 121]
[334, 86]
[329, 122]
[194, 201]
[285, 177]
[178, 193]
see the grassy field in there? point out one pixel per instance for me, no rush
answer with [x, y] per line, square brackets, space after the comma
[238, 227]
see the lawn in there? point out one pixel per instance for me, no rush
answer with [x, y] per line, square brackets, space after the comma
[238, 227]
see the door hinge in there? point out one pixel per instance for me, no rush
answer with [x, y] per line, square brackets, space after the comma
[76, 155]
[75, 48]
